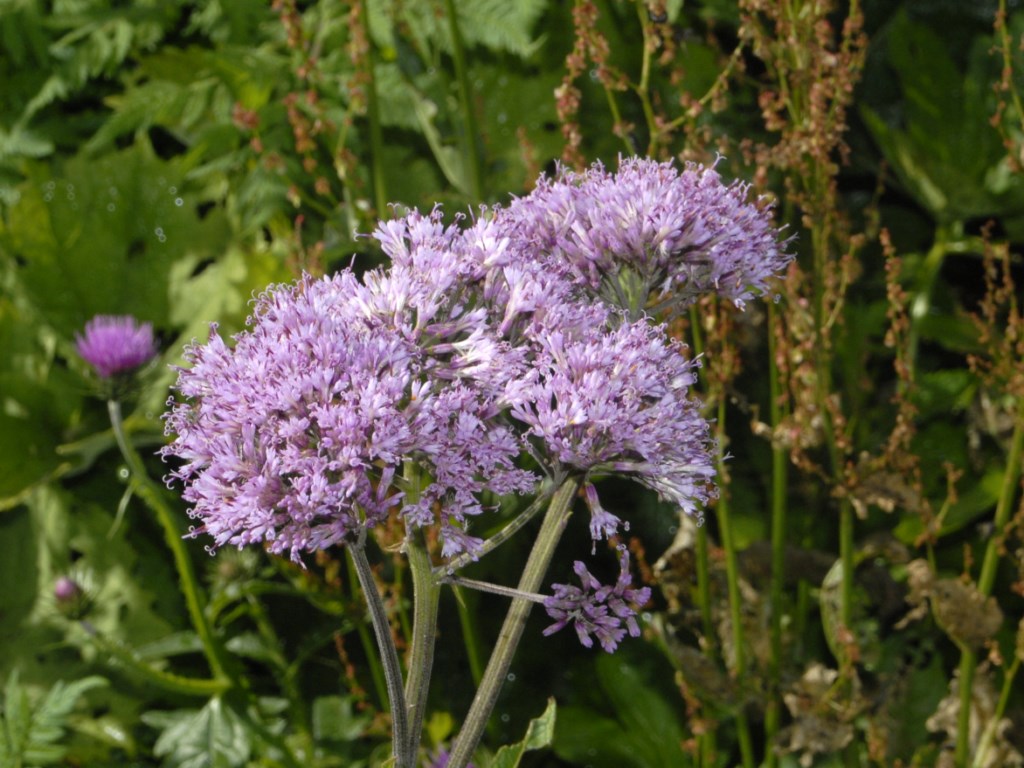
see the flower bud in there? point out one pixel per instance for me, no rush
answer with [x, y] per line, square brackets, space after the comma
[115, 347]
[71, 598]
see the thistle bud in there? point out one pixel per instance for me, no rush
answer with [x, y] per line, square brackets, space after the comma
[71, 598]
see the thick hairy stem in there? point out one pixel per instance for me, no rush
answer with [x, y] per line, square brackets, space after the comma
[426, 595]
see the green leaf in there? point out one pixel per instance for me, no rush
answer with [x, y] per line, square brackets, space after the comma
[937, 138]
[31, 734]
[539, 735]
[103, 236]
[645, 732]
[212, 737]
[39, 399]
[971, 504]
[174, 644]
[498, 25]
[334, 719]
[585, 737]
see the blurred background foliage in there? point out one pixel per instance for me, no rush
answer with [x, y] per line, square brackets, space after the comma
[168, 159]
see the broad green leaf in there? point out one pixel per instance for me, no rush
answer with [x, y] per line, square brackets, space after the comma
[334, 719]
[641, 709]
[39, 398]
[497, 25]
[212, 737]
[937, 138]
[645, 732]
[174, 644]
[539, 735]
[102, 237]
[585, 737]
[19, 572]
[972, 502]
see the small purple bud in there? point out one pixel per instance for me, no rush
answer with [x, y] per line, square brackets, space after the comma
[70, 597]
[115, 345]
[66, 589]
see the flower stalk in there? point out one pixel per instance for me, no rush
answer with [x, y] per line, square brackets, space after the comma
[426, 596]
[555, 520]
[154, 499]
[1004, 507]
[403, 754]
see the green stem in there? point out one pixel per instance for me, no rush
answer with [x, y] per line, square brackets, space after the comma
[380, 195]
[501, 536]
[426, 596]
[989, 566]
[968, 662]
[773, 713]
[920, 306]
[643, 87]
[388, 654]
[376, 670]
[735, 604]
[981, 755]
[537, 564]
[1004, 507]
[189, 686]
[469, 636]
[470, 144]
[846, 554]
[153, 496]
[704, 588]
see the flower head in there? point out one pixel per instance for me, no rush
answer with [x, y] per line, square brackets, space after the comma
[296, 436]
[686, 233]
[482, 339]
[596, 609]
[616, 399]
[115, 345]
[72, 595]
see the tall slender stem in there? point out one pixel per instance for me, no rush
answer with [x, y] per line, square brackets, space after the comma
[517, 522]
[778, 533]
[469, 637]
[501, 658]
[380, 685]
[470, 143]
[968, 659]
[380, 195]
[388, 654]
[735, 604]
[152, 495]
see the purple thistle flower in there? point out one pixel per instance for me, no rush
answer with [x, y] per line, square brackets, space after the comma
[681, 233]
[115, 345]
[71, 598]
[596, 609]
[66, 589]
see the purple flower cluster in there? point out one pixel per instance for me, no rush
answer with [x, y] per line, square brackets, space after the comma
[297, 436]
[115, 345]
[482, 341]
[679, 234]
[616, 399]
[596, 609]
